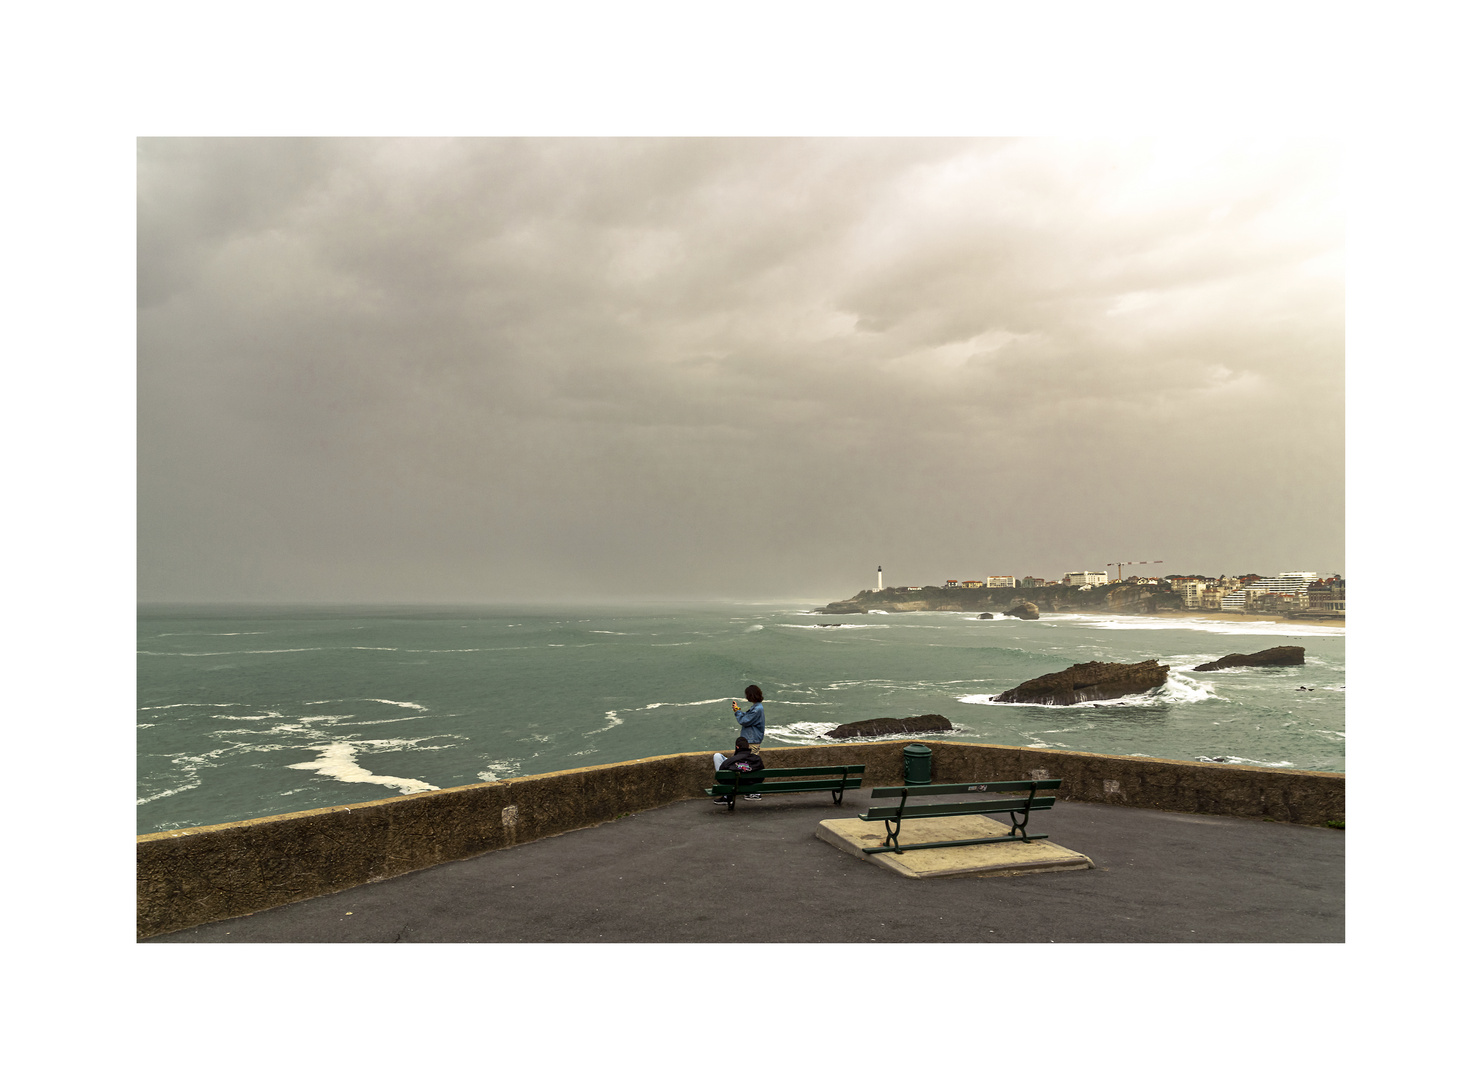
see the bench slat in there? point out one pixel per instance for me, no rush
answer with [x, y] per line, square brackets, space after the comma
[831, 770]
[785, 785]
[915, 790]
[989, 806]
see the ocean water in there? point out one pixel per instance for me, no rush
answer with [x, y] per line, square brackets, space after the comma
[248, 712]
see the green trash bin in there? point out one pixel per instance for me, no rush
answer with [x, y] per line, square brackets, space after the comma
[918, 764]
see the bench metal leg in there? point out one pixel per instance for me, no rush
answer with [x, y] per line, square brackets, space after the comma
[892, 836]
[1017, 826]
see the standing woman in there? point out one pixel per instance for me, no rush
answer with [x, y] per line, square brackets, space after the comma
[752, 721]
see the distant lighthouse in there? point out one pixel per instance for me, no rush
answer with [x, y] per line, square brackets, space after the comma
[879, 578]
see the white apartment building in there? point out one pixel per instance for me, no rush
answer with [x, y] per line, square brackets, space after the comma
[1086, 577]
[1293, 583]
[1000, 581]
[1193, 594]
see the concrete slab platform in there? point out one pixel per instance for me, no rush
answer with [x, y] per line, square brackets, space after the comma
[852, 835]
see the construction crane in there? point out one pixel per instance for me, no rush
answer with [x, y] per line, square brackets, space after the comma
[1129, 562]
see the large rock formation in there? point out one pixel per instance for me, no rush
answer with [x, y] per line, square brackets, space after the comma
[887, 725]
[1088, 682]
[1279, 656]
[1023, 609]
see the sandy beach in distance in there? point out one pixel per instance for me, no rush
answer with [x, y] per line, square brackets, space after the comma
[1239, 616]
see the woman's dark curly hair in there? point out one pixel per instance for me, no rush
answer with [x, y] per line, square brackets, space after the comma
[754, 694]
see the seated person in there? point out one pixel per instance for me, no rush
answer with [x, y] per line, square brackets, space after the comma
[743, 760]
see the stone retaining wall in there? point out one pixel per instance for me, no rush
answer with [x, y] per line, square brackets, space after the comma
[191, 876]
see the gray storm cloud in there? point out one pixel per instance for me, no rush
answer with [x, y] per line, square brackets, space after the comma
[600, 368]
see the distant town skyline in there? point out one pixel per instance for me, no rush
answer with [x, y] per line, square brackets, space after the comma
[518, 369]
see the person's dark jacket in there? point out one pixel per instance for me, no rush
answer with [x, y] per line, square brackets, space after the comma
[745, 762]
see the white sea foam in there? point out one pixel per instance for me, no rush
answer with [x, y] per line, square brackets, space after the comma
[684, 704]
[1184, 689]
[1230, 759]
[166, 794]
[829, 626]
[1211, 625]
[194, 705]
[293, 727]
[753, 628]
[213, 633]
[400, 704]
[802, 731]
[612, 721]
[337, 760]
[190, 765]
[669, 644]
[232, 652]
[498, 770]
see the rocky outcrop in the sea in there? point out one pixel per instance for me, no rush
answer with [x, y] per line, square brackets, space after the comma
[987, 615]
[887, 725]
[1279, 656]
[1023, 609]
[1088, 682]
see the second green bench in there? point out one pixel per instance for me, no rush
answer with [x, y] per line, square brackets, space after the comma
[1017, 807]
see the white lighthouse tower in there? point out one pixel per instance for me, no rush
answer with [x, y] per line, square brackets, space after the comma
[879, 578]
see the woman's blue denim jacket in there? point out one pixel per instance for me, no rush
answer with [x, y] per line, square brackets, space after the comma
[753, 723]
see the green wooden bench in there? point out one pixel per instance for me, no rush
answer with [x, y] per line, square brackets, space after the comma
[1017, 807]
[835, 779]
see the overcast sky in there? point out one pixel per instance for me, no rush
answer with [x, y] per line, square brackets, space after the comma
[521, 369]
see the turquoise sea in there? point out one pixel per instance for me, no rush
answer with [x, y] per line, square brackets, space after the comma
[246, 712]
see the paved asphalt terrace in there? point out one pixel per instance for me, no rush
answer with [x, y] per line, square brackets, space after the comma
[692, 872]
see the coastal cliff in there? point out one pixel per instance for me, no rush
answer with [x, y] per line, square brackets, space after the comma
[1117, 598]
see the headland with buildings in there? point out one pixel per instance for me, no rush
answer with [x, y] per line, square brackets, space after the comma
[1298, 595]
